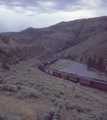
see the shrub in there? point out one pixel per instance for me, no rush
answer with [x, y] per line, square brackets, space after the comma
[75, 116]
[5, 66]
[50, 113]
[60, 103]
[52, 98]
[76, 106]
[61, 92]
[23, 93]
[1, 80]
[56, 94]
[0, 87]
[14, 118]
[77, 94]
[7, 87]
[19, 87]
[39, 86]
[92, 115]
[87, 108]
[86, 98]
[82, 116]
[46, 92]
[32, 94]
[102, 115]
[3, 114]
[67, 104]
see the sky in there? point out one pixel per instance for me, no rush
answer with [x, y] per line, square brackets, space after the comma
[17, 15]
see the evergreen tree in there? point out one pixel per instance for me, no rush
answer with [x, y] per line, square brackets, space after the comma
[100, 64]
[81, 59]
[89, 62]
[93, 63]
[97, 65]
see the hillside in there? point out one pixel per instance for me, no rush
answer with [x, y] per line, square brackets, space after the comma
[13, 52]
[94, 46]
[76, 39]
[62, 35]
[8, 42]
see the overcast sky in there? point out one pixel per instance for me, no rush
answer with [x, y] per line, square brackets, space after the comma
[17, 15]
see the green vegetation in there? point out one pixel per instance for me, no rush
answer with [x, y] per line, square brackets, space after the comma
[70, 56]
[69, 44]
[96, 64]
[16, 54]
[59, 66]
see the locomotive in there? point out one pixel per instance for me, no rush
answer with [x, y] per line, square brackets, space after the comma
[96, 83]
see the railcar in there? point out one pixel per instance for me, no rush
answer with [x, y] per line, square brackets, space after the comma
[57, 73]
[99, 85]
[64, 75]
[53, 61]
[51, 71]
[99, 80]
[41, 67]
[47, 70]
[74, 78]
[85, 80]
[45, 63]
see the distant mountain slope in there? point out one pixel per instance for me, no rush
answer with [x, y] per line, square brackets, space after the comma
[63, 35]
[26, 36]
[8, 42]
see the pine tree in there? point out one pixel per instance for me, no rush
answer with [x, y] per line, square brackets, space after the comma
[100, 64]
[89, 62]
[93, 63]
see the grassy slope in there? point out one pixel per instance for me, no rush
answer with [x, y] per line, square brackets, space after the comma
[58, 66]
[30, 108]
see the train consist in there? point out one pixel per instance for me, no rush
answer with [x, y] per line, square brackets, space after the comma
[99, 84]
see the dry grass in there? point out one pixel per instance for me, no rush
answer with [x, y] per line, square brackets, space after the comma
[25, 109]
[17, 107]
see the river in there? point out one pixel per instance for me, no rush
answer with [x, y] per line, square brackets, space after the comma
[81, 70]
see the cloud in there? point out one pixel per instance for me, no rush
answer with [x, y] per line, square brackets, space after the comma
[51, 6]
[91, 4]
[43, 6]
[16, 15]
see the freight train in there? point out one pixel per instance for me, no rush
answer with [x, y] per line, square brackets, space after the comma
[99, 84]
